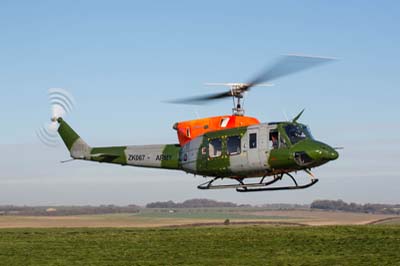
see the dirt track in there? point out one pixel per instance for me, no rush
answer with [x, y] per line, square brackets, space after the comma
[326, 217]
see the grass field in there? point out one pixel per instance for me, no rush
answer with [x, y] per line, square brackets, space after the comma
[225, 245]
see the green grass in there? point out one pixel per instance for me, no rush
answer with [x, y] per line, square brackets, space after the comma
[257, 245]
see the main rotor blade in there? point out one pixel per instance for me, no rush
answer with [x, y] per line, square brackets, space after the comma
[286, 65]
[202, 99]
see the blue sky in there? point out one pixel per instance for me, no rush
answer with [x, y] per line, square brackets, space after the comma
[122, 59]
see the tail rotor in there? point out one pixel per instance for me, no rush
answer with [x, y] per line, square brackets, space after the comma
[61, 103]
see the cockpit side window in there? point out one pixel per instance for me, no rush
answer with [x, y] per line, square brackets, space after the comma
[274, 139]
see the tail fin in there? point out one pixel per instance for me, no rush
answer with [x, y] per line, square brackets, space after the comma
[76, 146]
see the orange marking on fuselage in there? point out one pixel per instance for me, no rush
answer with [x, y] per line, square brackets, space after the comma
[188, 130]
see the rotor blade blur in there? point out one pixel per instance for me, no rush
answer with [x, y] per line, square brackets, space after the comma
[203, 99]
[286, 65]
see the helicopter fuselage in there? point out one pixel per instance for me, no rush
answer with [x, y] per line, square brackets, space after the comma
[258, 150]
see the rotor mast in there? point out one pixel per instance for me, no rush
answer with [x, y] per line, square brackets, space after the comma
[238, 99]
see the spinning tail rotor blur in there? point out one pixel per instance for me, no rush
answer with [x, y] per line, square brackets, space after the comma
[61, 103]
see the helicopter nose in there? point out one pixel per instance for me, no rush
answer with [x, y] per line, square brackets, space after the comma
[328, 153]
[315, 153]
[333, 155]
[322, 152]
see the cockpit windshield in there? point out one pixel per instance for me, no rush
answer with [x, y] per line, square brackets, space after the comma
[297, 132]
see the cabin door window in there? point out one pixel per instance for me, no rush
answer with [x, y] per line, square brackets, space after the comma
[215, 148]
[233, 145]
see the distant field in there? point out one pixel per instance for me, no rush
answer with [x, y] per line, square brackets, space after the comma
[186, 217]
[204, 213]
[229, 245]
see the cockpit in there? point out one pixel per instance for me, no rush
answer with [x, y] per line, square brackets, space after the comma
[286, 134]
[297, 132]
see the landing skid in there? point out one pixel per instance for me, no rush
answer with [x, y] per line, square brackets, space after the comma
[257, 186]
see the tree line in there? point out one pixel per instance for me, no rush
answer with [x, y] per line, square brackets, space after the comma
[329, 205]
[340, 205]
[195, 203]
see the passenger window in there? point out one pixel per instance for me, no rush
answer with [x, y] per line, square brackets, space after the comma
[215, 148]
[253, 140]
[233, 144]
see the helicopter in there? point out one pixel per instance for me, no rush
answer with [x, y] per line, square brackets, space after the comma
[232, 147]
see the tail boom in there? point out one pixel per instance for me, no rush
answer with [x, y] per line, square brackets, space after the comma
[154, 156]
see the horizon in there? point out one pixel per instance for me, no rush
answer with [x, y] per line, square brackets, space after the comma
[238, 204]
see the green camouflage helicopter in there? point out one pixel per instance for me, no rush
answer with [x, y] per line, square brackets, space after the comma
[234, 147]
